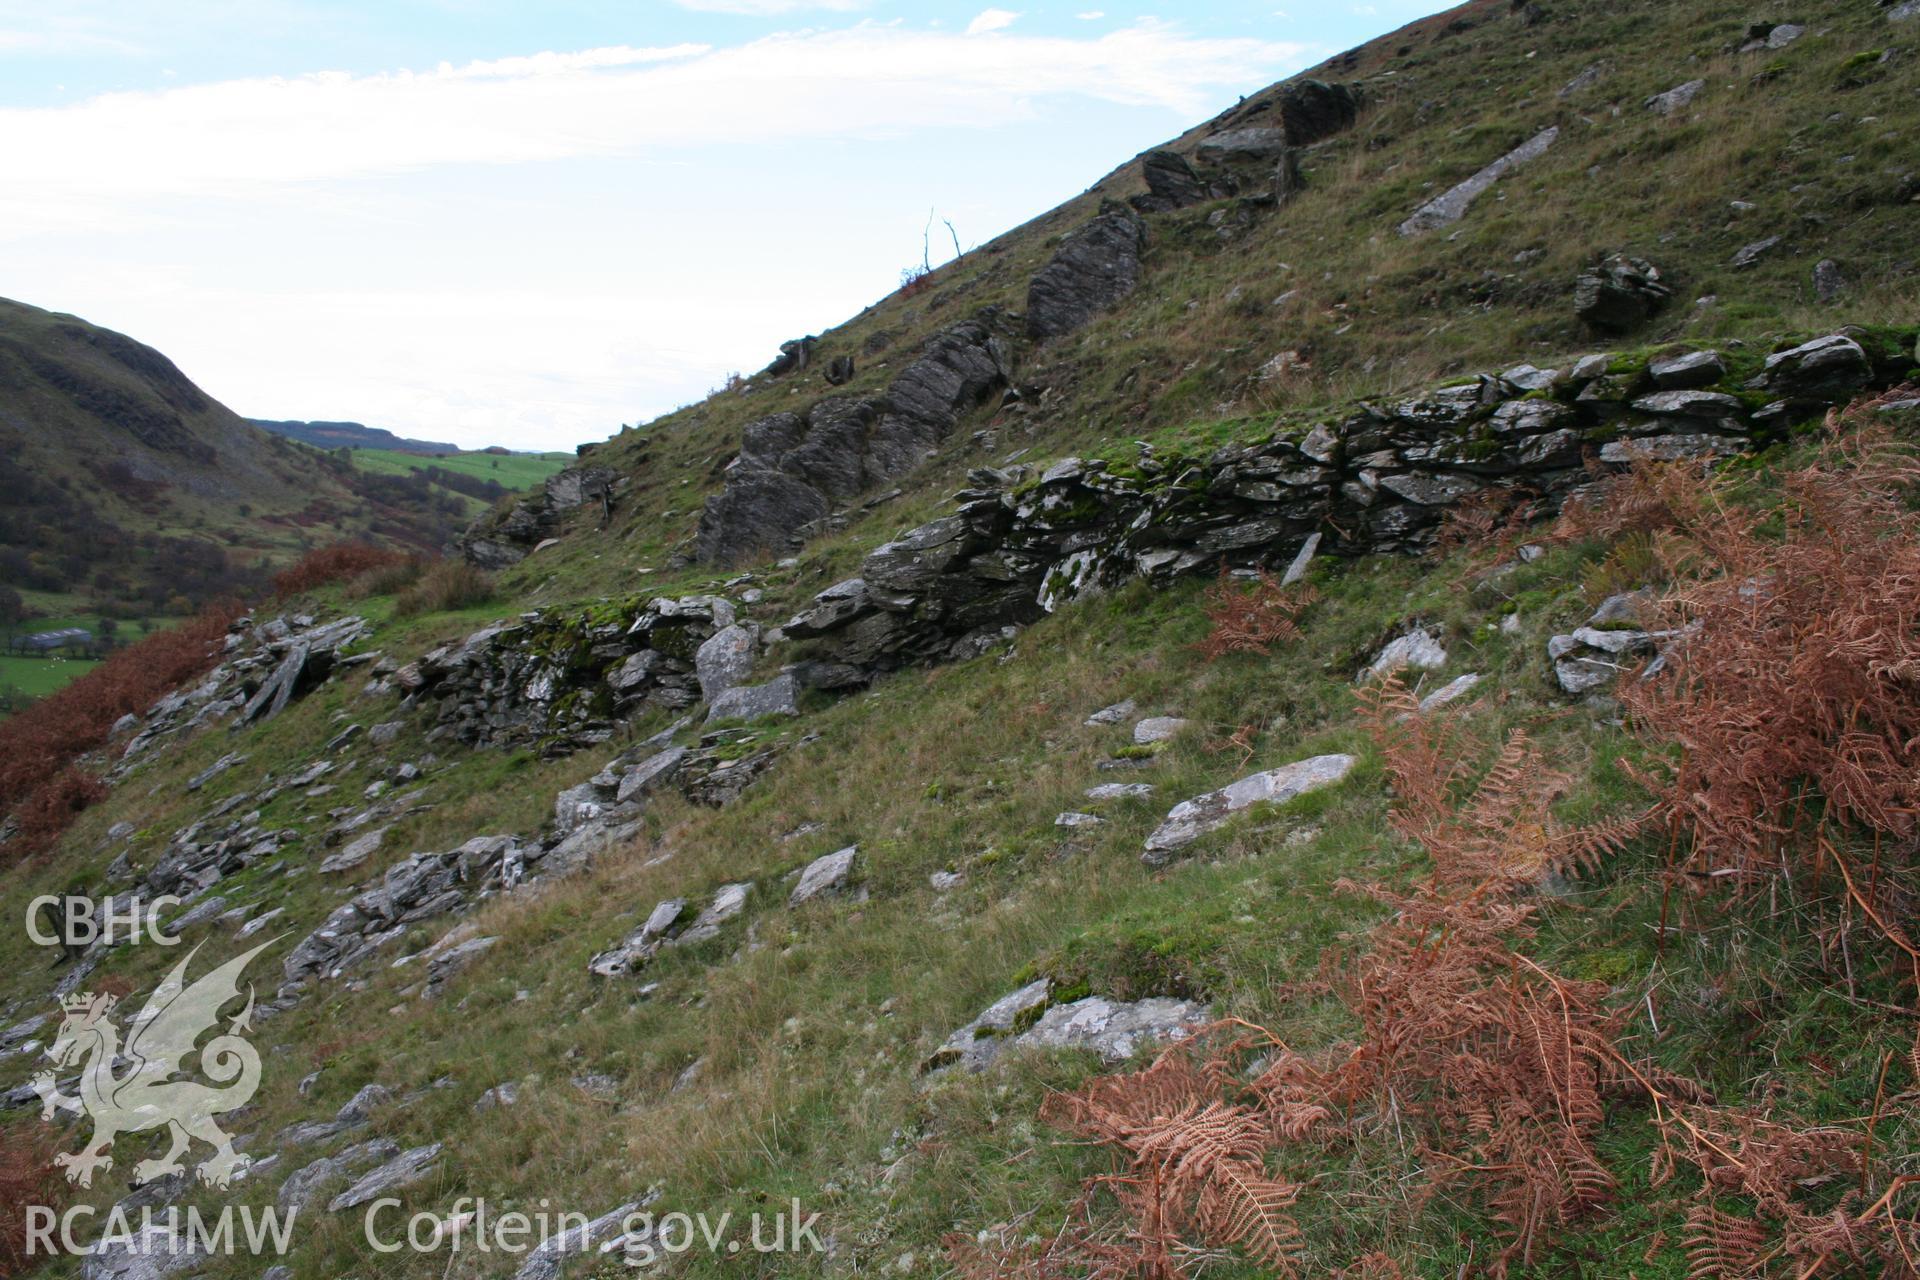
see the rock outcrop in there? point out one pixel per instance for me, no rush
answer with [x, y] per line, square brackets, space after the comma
[793, 469]
[421, 887]
[1248, 152]
[305, 1187]
[596, 1239]
[403, 1170]
[1313, 110]
[1174, 183]
[1260, 143]
[150, 1251]
[826, 876]
[272, 663]
[777, 697]
[1762, 36]
[1619, 294]
[642, 944]
[1675, 99]
[1418, 650]
[500, 541]
[304, 662]
[724, 659]
[795, 355]
[1308, 111]
[1096, 266]
[587, 819]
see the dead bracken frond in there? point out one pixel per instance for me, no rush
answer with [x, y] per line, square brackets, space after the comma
[1775, 1170]
[1194, 1166]
[1373, 1266]
[1252, 616]
[28, 1177]
[1721, 1245]
[43, 783]
[1502, 833]
[1491, 521]
[1648, 498]
[1500, 1060]
[1792, 680]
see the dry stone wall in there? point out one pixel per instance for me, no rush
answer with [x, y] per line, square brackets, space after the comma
[1379, 480]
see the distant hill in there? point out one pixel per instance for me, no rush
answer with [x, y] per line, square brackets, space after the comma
[352, 435]
[128, 488]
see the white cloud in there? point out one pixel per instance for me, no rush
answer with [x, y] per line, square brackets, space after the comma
[1091, 15]
[991, 20]
[113, 159]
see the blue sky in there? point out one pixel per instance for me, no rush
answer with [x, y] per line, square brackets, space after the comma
[527, 223]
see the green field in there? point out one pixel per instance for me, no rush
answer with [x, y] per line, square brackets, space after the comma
[38, 677]
[514, 471]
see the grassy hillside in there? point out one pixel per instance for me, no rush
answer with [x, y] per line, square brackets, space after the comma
[1806, 143]
[1486, 1045]
[131, 490]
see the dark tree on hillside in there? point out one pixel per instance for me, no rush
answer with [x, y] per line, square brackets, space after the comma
[12, 607]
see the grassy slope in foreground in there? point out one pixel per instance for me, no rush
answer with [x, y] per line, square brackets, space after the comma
[810, 1025]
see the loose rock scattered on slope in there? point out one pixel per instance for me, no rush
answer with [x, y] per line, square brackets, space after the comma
[1187, 821]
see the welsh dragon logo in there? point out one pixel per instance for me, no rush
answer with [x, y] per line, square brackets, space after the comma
[147, 1094]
